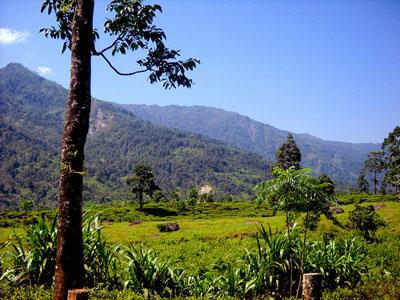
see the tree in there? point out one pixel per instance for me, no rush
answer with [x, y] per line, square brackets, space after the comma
[288, 154]
[362, 183]
[131, 28]
[391, 145]
[295, 191]
[192, 198]
[366, 221]
[142, 182]
[327, 185]
[375, 164]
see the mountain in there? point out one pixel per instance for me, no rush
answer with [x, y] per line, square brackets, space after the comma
[31, 121]
[342, 161]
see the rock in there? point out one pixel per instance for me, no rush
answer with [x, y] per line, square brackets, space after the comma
[336, 210]
[168, 227]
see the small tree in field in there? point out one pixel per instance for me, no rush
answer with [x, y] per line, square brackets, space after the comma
[375, 164]
[142, 182]
[192, 199]
[366, 221]
[296, 191]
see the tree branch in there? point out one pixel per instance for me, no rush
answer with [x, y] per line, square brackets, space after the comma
[98, 53]
[118, 72]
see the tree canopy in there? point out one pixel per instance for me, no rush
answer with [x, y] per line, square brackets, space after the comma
[142, 182]
[288, 154]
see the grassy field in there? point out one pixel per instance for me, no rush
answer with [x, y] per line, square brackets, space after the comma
[221, 232]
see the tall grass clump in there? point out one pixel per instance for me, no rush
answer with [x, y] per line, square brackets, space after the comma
[102, 262]
[147, 274]
[341, 263]
[31, 259]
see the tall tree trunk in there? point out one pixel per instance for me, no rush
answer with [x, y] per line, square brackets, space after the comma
[69, 272]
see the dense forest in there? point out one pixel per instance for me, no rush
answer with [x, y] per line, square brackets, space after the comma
[31, 119]
[342, 161]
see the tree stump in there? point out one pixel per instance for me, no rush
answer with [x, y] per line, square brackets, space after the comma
[312, 286]
[78, 294]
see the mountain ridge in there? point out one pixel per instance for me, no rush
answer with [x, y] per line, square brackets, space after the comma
[31, 124]
[341, 160]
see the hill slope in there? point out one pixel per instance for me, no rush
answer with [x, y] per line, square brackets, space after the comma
[31, 120]
[342, 161]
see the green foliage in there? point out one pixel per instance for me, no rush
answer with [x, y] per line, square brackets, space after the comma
[388, 289]
[147, 273]
[362, 182]
[328, 186]
[342, 262]
[192, 199]
[217, 265]
[366, 221]
[294, 191]
[340, 160]
[31, 117]
[131, 27]
[288, 154]
[32, 257]
[376, 164]
[102, 262]
[142, 182]
[391, 145]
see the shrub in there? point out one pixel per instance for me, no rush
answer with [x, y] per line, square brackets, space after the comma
[366, 221]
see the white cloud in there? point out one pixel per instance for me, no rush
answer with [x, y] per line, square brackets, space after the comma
[43, 70]
[11, 36]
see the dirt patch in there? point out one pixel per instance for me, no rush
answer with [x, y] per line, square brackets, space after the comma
[137, 222]
[379, 206]
[252, 223]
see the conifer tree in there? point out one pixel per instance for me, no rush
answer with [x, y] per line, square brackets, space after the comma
[362, 183]
[288, 154]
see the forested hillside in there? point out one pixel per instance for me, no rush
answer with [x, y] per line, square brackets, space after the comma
[342, 161]
[31, 121]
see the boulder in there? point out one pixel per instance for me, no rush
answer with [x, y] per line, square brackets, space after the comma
[336, 210]
[168, 227]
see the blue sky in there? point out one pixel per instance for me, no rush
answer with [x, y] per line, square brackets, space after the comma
[328, 68]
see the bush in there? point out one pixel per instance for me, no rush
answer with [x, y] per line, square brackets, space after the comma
[366, 221]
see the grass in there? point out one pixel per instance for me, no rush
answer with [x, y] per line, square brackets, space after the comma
[221, 232]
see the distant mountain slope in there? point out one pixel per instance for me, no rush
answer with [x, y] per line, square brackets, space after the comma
[31, 121]
[342, 161]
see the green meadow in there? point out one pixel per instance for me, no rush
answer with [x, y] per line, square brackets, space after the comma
[221, 232]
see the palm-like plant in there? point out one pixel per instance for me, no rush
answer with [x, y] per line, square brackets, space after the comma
[32, 258]
[147, 273]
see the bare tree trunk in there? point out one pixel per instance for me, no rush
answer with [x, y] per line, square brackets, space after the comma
[69, 272]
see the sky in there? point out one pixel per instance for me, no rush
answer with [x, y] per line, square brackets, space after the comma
[327, 68]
